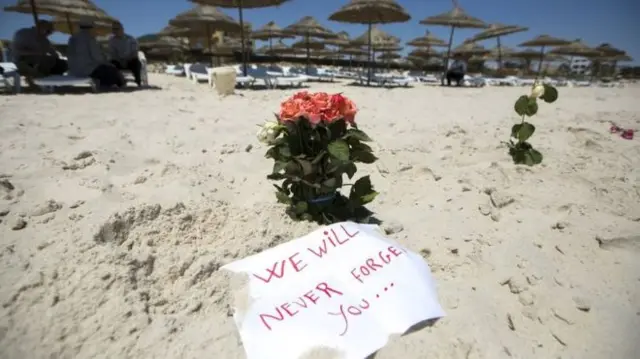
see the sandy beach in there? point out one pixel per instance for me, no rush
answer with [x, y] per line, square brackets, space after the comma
[118, 209]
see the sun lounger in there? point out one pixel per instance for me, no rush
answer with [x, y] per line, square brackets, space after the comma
[10, 79]
[175, 70]
[200, 72]
[49, 83]
[281, 79]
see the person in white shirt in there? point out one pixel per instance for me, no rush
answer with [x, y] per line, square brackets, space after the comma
[33, 53]
[123, 51]
[86, 58]
[457, 70]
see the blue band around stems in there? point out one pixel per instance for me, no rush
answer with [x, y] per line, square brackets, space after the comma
[323, 199]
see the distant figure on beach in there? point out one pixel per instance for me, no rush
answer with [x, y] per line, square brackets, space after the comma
[86, 58]
[33, 53]
[457, 70]
[123, 51]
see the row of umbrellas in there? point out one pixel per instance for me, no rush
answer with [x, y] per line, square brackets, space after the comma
[204, 19]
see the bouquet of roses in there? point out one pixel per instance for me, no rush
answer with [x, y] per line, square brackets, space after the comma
[313, 143]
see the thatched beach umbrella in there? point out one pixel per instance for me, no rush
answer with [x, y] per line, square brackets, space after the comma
[497, 31]
[456, 18]
[387, 56]
[269, 32]
[428, 40]
[308, 27]
[240, 5]
[470, 49]
[163, 42]
[174, 31]
[576, 48]
[370, 12]
[311, 45]
[341, 40]
[424, 53]
[68, 25]
[203, 20]
[542, 42]
[66, 9]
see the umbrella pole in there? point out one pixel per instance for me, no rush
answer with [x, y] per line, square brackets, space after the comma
[243, 55]
[69, 24]
[34, 13]
[308, 53]
[540, 62]
[499, 55]
[446, 60]
[209, 45]
[369, 64]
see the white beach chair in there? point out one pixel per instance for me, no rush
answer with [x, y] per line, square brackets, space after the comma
[49, 83]
[10, 79]
[174, 70]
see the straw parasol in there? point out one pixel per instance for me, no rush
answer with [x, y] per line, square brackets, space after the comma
[203, 20]
[269, 32]
[311, 44]
[576, 48]
[174, 31]
[240, 5]
[428, 40]
[377, 40]
[308, 27]
[66, 9]
[543, 41]
[470, 49]
[68, 25]
[370, 12]
[164, 42]
[498, 30]
[456, 18]
[341, 40]
[424, 53]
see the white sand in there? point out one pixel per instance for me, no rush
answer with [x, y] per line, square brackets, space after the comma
[120, 254]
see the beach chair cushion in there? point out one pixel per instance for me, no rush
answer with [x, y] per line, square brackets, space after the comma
[63, 80]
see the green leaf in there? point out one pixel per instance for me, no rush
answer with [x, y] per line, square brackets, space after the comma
[350, 169]
[283, 198]
[337, 129]
[532, 107]
[359, 146]
[536, 156]
[284, 151]
[276, 176]
[339, 149]
[301, 207]
[358, 134]
[521, 105]
[522, 131]
[363, 156]
[361, 187]
[279, 166]
[550, 94]
[369, 197]
[305, 166]
[330, 183]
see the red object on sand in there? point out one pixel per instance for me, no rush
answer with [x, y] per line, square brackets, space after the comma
[627, 134]
[615, 129]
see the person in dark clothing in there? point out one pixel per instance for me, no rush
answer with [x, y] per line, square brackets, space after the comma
[456, 71]
[86, 58]
[33, 53]
[123, 51]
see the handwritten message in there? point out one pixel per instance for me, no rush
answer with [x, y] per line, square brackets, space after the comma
[343, 286]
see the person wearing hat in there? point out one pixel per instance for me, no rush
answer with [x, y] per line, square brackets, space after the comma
[123, 51]
[457, 70]
[86, 58]
[33, 53]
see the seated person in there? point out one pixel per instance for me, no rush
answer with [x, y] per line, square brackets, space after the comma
[33, 53]
[123, 51]
[456, 71]
[87, 60]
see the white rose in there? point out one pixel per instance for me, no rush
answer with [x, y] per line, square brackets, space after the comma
[537, 90]
[268, 133]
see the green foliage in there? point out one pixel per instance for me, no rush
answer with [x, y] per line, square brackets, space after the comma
[311, 162]
[520, 150]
